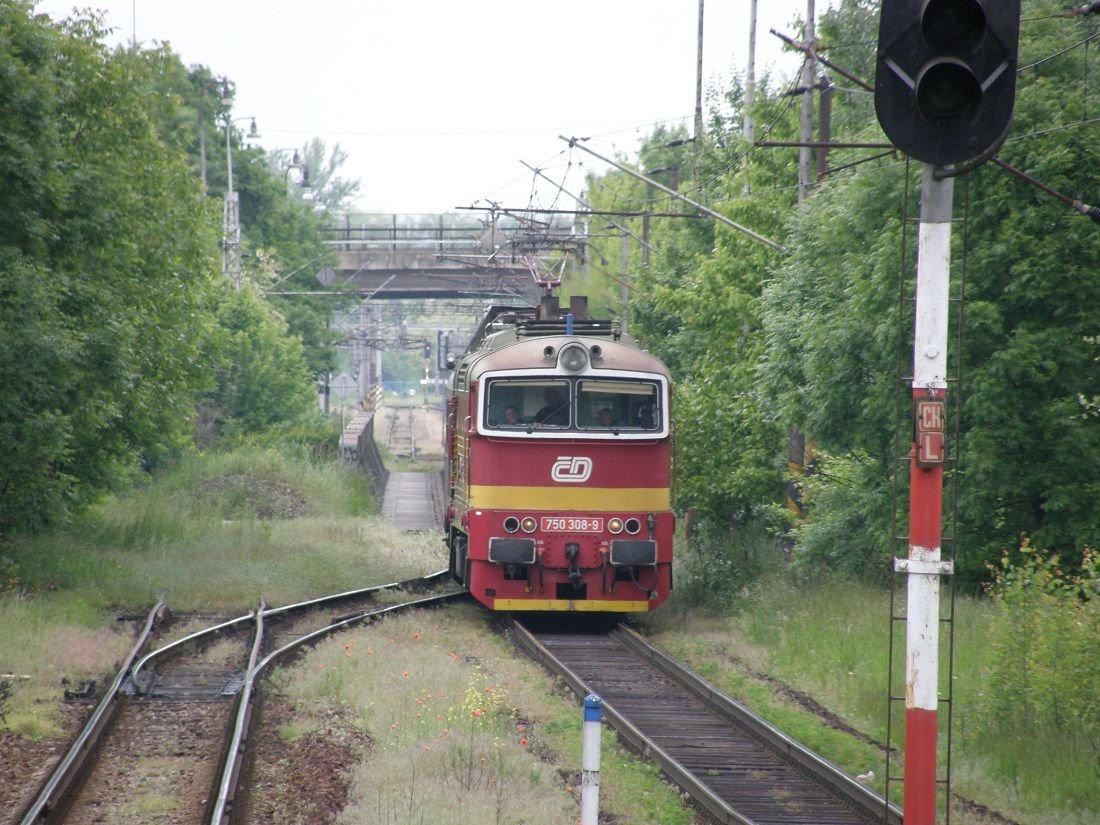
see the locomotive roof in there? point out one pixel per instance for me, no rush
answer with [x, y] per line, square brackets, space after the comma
[513, 338]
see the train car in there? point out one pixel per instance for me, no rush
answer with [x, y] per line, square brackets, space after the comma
[559, 465]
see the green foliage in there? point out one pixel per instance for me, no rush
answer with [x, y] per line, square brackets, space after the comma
[106, 245]
[1029, 456]
[849, 497]
[326, 188]
[1044, 670]
[114, 315]
[262, 377]
[719, 559]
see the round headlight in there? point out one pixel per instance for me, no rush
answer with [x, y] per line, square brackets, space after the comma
[615, 525]
[528, 524]
[574, 358]
[633, 526]
[511, 524]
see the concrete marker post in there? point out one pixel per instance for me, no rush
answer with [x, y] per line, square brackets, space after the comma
[590, 760]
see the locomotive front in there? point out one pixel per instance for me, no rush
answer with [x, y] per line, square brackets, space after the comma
[559, 469]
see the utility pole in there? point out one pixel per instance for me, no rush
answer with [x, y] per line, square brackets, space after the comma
[231, 257]
[824, 125]
[805, 180]
[750, 77]
[624, 289]
[699, 82]
[202, 138]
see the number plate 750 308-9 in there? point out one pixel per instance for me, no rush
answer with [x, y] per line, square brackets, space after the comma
[571, 524]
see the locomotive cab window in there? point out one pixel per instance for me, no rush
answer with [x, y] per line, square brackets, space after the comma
[613, 404]
[528, 403]
[592, 406]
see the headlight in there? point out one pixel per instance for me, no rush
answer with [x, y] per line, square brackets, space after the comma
[615, 525]
[528, 524]
[511, 524]
[633, 526]
[573, 358]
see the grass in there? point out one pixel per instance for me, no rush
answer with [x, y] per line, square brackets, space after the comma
[194, 535]
[464, 729]
[179, 538]
[825, 637]
[829, 639]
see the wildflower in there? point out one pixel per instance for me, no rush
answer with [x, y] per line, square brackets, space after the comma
[474, 712]
[370, 651]
[489, 690]
[523, 741]
[393, 641]
[416, 636]
[404, 674]
[427, 749]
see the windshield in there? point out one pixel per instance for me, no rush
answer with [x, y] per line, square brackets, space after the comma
[588, 405]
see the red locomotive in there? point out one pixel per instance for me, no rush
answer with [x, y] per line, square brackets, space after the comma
[559, 465]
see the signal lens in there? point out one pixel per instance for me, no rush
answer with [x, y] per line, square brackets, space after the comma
[633, 526]
[528, 524]
[511, 524]
[946, 88]
[953, 25]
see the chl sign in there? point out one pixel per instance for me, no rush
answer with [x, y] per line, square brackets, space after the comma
[931, 422]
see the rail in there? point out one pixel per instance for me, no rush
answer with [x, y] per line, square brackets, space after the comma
[743, 771]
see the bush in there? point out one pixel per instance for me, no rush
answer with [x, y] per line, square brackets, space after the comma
[720, 559]
[1045, 672]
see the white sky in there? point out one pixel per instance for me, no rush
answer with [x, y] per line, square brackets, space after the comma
[437, 101]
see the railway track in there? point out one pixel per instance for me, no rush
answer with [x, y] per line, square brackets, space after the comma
[401, 435]
[734, 765]
[175, 723]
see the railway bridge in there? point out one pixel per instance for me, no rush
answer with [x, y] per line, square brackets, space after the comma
[442, 256]
[500, 258]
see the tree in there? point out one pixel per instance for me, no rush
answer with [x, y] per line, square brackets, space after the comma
[106, 248]
[262, 376]
[327, 190]
[1029, 456]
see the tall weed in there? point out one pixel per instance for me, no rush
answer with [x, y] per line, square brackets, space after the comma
[1044, 670]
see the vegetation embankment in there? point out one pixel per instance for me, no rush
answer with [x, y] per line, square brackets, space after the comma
[810, 652]
[126, 340]
[456, 727]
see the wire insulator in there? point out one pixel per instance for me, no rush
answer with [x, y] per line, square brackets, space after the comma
[1088, 8]
[1086, 210]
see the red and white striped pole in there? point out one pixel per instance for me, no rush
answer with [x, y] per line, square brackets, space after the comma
[924, 565]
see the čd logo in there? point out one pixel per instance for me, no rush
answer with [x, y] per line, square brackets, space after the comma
[572, 469]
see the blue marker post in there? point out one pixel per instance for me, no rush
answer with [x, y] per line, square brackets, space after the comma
[590, 760]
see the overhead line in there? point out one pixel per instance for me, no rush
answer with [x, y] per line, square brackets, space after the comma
[672, 192]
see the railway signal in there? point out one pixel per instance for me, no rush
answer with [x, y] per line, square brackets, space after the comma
[945, 84]
[945, 78]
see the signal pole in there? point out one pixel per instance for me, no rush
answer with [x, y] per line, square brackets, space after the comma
[924, 565]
